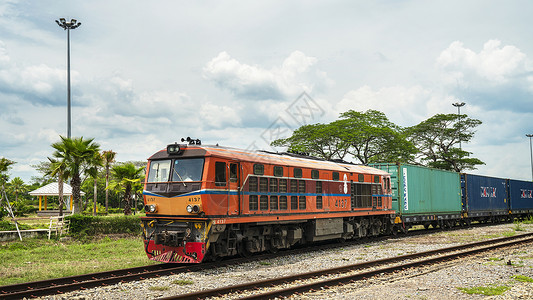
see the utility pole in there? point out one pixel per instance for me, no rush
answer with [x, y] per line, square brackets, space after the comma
[73, 24]
[459, 105]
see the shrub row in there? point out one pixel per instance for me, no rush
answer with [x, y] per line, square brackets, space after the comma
[90, 225]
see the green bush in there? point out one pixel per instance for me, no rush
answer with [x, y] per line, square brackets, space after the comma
[113, 210]
[90, 225]
[8, 226]
[99, 208]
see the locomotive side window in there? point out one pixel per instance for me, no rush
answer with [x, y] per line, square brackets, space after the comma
[376, 178]
[233, 170]
[294, 186]
[273, 202]
[315, 174]
[283, 185]
[253, 202]
[294, 202]
[278, 171]
[159, 171]
[297, 172]
[259, 169]
[335, 176]
[361, 178]
[282, 202]
[302, 202]
[220, 173]
[319, 196]
[252, 184]
[263, 185]
[273, 187]
[263, 202]
[377, 190]
[301, 186]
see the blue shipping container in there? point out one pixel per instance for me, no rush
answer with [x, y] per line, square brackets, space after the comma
[521, 195]
[484, 196]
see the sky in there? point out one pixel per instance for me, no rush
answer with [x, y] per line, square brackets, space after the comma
[145, 74]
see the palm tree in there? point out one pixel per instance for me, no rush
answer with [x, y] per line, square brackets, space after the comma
[109, 157]
[77, 155]
[125, 177]
[92, 170]
[17, 186]
[59, 168]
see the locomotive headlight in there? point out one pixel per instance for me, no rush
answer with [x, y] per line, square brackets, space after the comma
[151, 208]
[194, 209]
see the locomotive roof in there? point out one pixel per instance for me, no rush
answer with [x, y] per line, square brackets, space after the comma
[265, 157]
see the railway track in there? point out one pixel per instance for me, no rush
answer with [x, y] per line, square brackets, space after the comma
[353, 272]
[86, 281]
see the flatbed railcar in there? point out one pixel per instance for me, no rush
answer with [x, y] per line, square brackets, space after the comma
[205, 202]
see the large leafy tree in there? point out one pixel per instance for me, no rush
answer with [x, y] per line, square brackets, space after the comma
[320, 140]
[109, 158]
[126, 179]
[368, 136]
[373, 138]
[438, 140]
[78, 154]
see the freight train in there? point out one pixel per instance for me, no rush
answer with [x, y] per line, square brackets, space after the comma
[206, 202]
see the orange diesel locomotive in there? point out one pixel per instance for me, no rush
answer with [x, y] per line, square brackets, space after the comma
[204, 202]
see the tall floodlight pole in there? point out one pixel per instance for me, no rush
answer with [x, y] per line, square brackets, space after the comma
[531, 153]
[459, 105]
[73, 24]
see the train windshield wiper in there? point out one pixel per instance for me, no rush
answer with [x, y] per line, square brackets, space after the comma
[182, 181]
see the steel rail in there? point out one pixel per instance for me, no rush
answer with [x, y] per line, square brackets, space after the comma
[501, 242]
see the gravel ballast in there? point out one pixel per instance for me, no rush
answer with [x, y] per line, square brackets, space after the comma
[495, 268]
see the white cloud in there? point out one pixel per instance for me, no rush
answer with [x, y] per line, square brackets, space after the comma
[296, 74]
[219, 116]
[495, 63]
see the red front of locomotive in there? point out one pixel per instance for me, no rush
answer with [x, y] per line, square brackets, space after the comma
[175, 227]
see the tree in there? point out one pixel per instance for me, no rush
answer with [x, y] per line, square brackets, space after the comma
[17, 187]
[437, 138]
[125, 178]
[373, 138]
[58, 167]
[77, 155]
[368, 136]
[320, 140]
[5, 165]
[109, 158]
[94, 164]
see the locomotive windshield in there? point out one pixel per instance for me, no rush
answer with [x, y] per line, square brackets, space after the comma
[159, 171]
[176, 170]
[188, 169]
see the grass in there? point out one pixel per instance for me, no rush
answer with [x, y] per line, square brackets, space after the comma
[264, 263]
[39, 259]
[491, 290]
[183, 282]
[522, 278]
[159, 288]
